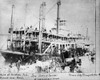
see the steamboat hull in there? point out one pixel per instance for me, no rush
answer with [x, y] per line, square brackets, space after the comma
[13, 56]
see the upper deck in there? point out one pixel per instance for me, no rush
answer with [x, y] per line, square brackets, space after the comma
[33, 36]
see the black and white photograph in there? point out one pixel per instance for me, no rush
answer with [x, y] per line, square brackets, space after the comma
[43, 38]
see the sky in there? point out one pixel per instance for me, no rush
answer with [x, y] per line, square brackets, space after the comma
[79, 15]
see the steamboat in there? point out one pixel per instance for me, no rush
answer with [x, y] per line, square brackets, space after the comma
[31, 44]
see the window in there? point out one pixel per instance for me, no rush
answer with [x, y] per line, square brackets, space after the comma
[63, 46]
[72, 45]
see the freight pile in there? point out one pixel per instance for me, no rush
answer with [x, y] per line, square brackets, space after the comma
[49, 66]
